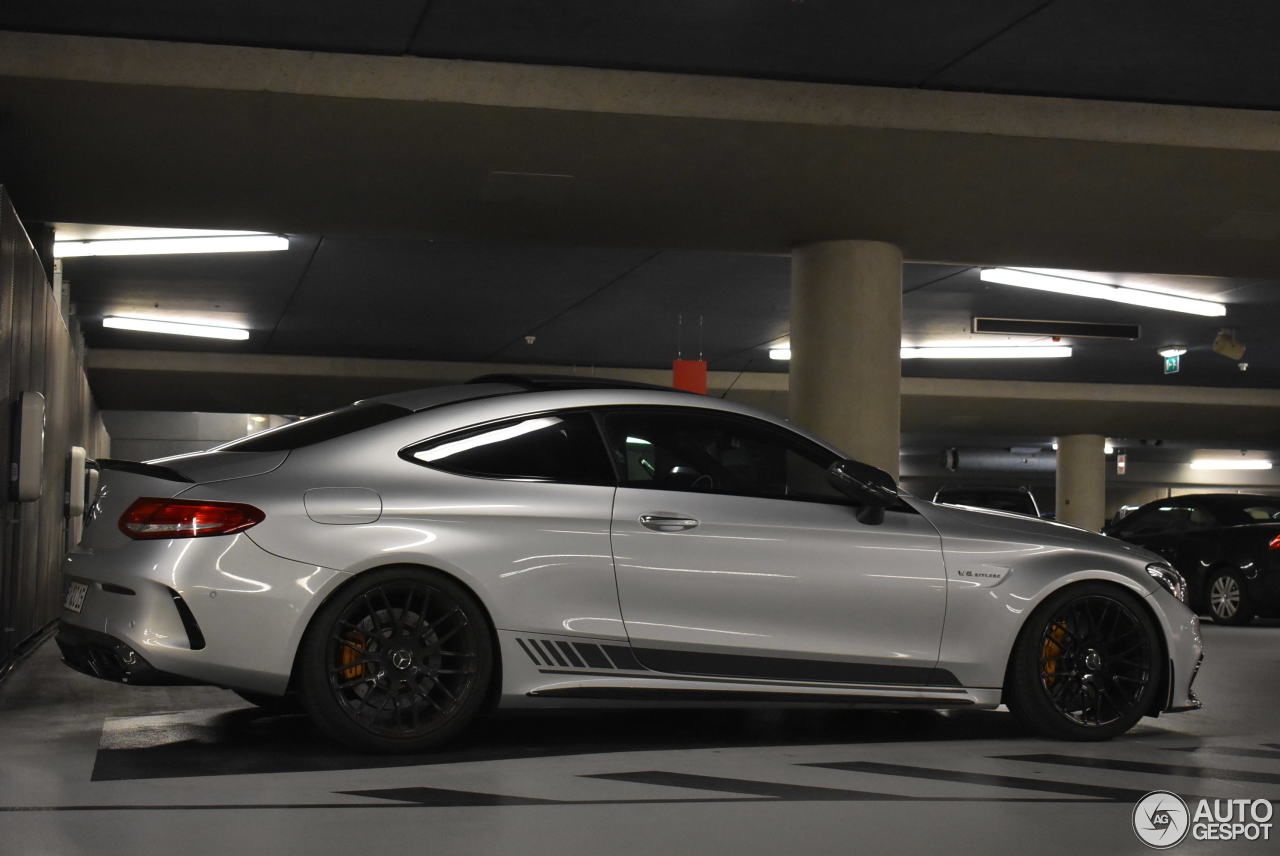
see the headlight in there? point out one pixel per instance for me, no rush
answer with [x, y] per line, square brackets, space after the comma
[1170, 579]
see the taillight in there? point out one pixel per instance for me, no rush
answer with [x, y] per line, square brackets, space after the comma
[1275, 543]
[150, 518]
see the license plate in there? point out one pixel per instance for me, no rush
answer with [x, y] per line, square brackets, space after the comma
[74, 599]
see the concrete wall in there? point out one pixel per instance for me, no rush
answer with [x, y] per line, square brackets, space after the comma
[39, 352]
[141, 435]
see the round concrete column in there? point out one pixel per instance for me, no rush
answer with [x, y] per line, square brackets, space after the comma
[1082, 480]
[846, 339]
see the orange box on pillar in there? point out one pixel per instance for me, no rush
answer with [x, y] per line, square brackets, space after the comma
[689, 375]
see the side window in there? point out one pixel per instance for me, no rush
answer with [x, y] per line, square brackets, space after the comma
[558, 447]
[1165, 520]
[676, 449]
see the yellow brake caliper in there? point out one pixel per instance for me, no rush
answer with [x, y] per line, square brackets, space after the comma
[1052, 648]
[350, 657]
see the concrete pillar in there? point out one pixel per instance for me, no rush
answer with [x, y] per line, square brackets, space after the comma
[846, 336]
[1082, 480]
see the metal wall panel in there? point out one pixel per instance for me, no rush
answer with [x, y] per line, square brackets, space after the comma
[37, 353]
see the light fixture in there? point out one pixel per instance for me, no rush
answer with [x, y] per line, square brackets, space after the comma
[965, 353]
[176, 328]
[259, 418]
[1172, 351]
[1107, 448]
[1230, 464]
[988, 353]
[170, 246]
[1102, 291]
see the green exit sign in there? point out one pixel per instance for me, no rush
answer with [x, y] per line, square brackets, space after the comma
[1172, 364]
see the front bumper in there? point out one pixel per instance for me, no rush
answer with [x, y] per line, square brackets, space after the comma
[1186, 654]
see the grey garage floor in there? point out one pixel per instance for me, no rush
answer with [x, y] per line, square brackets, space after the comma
[91, 767]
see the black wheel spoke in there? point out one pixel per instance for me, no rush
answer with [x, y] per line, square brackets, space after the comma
[1101, 663]
[388, 668]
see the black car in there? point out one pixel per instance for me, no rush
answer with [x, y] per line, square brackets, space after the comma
[1016, 499]
[1227, 545]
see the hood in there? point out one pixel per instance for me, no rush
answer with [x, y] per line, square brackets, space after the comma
[997, 525]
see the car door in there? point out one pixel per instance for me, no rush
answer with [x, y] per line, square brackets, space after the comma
[734, 557]
[1173, 528]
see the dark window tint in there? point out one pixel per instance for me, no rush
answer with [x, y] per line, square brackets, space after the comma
[1000, 500]
[675, 449]
[316, 429]
[561, 447]
[1260, 513]
[1165, 519]
[1243, 510]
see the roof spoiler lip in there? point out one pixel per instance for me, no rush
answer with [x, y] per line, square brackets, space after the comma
[554, 382]
[140, 469]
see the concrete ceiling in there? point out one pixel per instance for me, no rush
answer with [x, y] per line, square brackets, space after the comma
[585, 168]
[1220, 54]
[154, 133]
[477, 301]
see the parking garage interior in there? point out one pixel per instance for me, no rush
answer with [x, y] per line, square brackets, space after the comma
[827, 209]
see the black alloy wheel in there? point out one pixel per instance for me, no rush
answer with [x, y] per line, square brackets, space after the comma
[399, 661]
[1228, 599]
[1087, 664]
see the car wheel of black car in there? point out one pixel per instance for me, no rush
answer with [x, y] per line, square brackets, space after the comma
[1086, 665]
[399, 661]
[1228, 599]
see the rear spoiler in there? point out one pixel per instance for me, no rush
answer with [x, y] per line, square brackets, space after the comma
[138, 469]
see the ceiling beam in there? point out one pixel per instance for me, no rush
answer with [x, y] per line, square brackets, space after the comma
[207, 136]
[182, 380]
[136, 62]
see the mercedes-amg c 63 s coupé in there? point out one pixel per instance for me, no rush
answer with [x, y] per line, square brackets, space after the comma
[402, 564]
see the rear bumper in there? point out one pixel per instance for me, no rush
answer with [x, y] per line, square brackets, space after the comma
[217, 610]
[102, 656]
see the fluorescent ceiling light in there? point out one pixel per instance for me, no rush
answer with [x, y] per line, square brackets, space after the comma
[171, 246]
[1002, 352]
[1172, 351]
[1102, 291]
[1107, 448]
[177, 328]
[1230, 464]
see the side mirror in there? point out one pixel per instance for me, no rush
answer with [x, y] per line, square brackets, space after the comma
[872, 488]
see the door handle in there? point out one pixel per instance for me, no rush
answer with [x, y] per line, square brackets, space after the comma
[667, 522]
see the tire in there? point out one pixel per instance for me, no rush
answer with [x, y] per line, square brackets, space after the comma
[274, 705]
[1227, 598]
[400, 660]
[1087, 664]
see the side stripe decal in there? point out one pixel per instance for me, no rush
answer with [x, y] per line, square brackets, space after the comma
[551, 654]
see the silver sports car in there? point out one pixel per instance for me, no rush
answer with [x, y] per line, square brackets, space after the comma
[402, 564]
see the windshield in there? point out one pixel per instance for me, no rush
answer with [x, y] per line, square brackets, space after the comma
[1016, 501]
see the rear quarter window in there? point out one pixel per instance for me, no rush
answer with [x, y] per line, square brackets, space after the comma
[551, 447]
